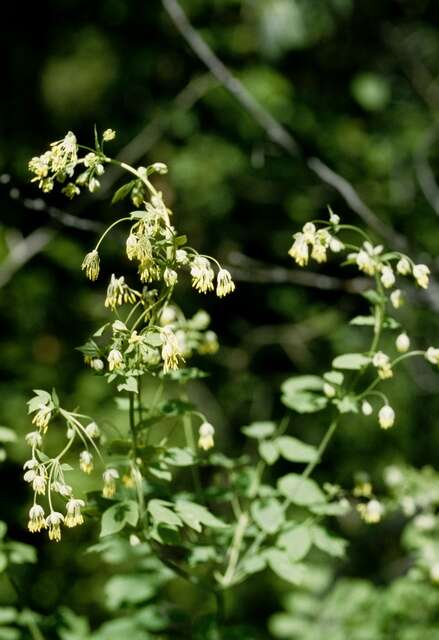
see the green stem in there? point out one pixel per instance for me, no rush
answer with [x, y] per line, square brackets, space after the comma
[109, 229]
[138, 478]
[190, 440]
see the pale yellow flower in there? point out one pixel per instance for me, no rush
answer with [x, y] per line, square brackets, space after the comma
[386, 417]
[53, 524]
[206, 433]
[90, 265]
[37, 520]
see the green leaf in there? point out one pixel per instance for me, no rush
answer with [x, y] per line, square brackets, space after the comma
[304, 402]
[195, 515]
[301, 383]
[259, 430]
[351, 361]
[175, 407]
[177, 457]
[119, 447]
[294, 450]
[299, 490]
[268, 451]
[348, 404]
[8, 615]
[332, 508]
[129, 589]
[329, 544]
[90, 348]
[20, 553]
[123, 191]
[161, 514]
[116, 517]
[101, 330]
[252, 564]
[268, 515]
[280, 563]
[130, 385]
[153, 338]
[334, 377]
[360, 321]
[296, 542]
[180, 241]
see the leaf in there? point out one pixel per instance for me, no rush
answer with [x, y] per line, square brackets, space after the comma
[294, 450]
[351, 361]
[130, 385]
[116, 517]
[299, 490]
[180, 241]
[301, 383]
[20, 553]
[330, 544]
[332, 508]
[123, 191]
[195, 515]
[334, 377]
[360, 321]
[175, 407]
[304, 402]
[128, 589]
[253, 564]
[279, 562]
[90, 348]
[259, 430]
[268, 515]
[268, 451]
[177, 457]
[100, 331]
[153, 338]
[348, 404]
[296, 542]
[161, 514]
[120, 447]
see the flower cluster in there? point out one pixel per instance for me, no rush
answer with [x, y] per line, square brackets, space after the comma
[46, 475]
[314, 243]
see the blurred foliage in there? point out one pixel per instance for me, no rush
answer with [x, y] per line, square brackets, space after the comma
[356, 84]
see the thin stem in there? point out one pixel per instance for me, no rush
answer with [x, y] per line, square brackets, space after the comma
[138, 478]
[190, 440]
[109, 229]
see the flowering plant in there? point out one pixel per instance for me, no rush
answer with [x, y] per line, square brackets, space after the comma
[228, 518]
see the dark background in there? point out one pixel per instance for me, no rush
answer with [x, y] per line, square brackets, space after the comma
[356, 84]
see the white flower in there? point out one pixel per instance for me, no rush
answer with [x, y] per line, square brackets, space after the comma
[396, 298]
[393, 476]
[434, 572]
[115, 359]
[36, 518]
[160, 168]
[33, 439]
[181, 256]
[90, 265]
[62, 488]
[225, 284]
[92, 430]
[131, 246]
[206, 433]
[202, 274]
[382, 362]
[318, 252]
[42, 417]
[432, 355]
[171, 351]
[336, 245]
[309, 230]
[420, 274]
[109, 134]
[109, 476]
[328, 390]
[53, 522]
[402, 343]
[365, 262]
[403, 266]
[372, 511]
[333, 217]
[299, 250]
[170, 277]
[86, 461]
[366, 408]
[74, 516]
[97, 364]
[39, 483]
[386, 417]
[387, 276]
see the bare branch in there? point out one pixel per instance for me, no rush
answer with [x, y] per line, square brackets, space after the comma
[245, 269]
[347, 191]
[275, 131]
[22, 250]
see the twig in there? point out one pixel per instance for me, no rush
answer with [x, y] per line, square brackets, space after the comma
[275, 131]
[22, 251]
